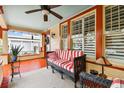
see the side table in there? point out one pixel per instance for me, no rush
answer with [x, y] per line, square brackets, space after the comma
[15, 68]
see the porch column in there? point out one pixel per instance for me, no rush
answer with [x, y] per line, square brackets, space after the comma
[5, 42]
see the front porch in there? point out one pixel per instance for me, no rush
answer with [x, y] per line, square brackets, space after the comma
[94, 31]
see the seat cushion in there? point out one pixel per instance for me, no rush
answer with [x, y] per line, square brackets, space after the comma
[51, 59]
[69, 66]
[59, 61]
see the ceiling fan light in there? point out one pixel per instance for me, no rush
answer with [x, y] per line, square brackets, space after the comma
[45, 18]
[45, 12]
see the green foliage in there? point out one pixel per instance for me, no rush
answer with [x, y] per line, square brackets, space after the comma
[15, 50]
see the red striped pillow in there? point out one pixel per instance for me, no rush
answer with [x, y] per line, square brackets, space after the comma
[117, 83]
[76, 53]
[66, 54]
[58, 52]
[52, 55]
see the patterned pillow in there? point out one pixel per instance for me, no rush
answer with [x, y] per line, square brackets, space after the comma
[117, 83]
[58, 52]
[52, 55]
[65, 54]
[76, 53]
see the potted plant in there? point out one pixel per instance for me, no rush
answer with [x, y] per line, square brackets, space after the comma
[15, 50]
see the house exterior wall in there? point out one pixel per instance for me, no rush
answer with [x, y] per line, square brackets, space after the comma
[55, 42]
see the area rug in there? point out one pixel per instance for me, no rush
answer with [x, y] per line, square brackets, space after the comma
[42, 78]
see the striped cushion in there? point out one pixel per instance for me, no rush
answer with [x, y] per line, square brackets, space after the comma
[52, 55]
[65, 54]
[58, 52]
[68, 66]
[76, 53]
[59, 61]
[117, 83]
[51, 59]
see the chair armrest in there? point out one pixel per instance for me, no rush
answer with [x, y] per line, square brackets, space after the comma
[48, 53]
[79, 64]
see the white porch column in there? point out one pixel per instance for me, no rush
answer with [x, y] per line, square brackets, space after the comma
[5, 42]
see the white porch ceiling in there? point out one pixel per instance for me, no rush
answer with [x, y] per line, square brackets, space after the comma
[15, 15]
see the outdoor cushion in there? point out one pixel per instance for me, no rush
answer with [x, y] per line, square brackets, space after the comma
[64, 58]
[59, 61]
[68, 66]
[65, 54]
[76, 53]
[58, 52]
[117, 83]
[52, 55]
[51, 59]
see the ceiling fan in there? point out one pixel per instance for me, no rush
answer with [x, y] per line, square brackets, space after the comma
[46, 9]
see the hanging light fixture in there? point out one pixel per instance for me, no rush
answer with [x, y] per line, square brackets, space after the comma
[45, 15]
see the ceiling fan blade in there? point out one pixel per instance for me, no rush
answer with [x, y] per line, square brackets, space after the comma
[32, 11]
[55, 14]
[53, 6]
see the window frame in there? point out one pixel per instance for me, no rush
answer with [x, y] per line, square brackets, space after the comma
[29, 40]
[89, 58]
[61, 36]
[115, 61]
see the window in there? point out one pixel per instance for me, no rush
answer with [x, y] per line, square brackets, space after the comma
[83, 35]
[30, 41]
[64, 37]
[114, 27]
[77, 35]
[89, 35]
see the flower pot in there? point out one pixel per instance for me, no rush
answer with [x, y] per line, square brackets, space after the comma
[14, 58]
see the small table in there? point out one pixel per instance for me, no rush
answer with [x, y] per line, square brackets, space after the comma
[14, 66]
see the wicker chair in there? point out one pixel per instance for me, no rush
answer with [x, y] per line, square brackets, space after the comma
[92, 81]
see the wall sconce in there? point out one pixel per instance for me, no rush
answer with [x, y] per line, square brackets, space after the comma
[53, 35]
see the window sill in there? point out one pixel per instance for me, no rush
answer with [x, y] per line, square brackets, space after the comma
[4, 54]
[25, 55]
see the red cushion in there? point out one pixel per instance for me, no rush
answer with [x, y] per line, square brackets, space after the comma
[58, 52]
[52, 55]
[76, 53]
[117, 83]
[59, 61]
[66, 54]
[68, 66]
[51, 59]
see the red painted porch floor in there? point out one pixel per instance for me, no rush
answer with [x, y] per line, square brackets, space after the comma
[25, 66]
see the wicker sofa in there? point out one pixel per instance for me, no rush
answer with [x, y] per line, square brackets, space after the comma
[67, 62]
